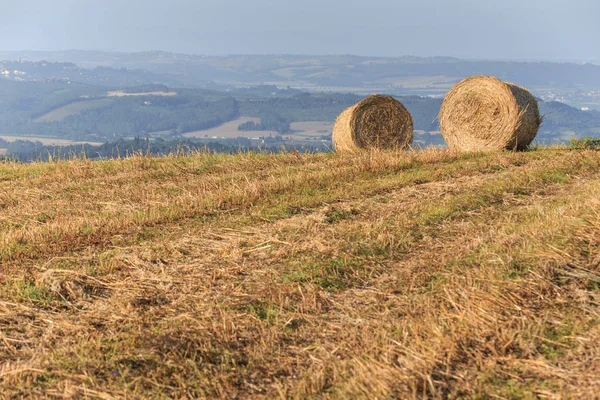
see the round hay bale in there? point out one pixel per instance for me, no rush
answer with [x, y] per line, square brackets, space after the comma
[377, 121]
[482, 113]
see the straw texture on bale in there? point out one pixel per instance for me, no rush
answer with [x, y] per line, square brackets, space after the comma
[482, 113]
[377, 121]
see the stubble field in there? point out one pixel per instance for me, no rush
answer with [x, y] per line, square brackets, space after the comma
[384, 275]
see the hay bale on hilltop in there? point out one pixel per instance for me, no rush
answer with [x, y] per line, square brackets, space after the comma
[377, 121]
[482, 113]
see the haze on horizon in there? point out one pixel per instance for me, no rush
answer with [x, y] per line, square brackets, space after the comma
[513, 29]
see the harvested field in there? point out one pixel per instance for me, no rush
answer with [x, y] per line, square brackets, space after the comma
[422, 274]
[230, 130]
[420, 82]
[72, 109]
[312, 128]
[48, 141]
[120, 93]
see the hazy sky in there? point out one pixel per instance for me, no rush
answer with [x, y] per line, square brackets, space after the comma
[512, 29]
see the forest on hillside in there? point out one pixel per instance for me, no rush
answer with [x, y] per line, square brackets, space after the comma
[24, 105]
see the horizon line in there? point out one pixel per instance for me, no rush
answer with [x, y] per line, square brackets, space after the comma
[224, 55]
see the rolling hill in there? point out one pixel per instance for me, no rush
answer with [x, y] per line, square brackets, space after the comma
[404, 75]
[99, 113]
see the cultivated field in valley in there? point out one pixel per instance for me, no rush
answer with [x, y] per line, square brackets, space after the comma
[121, 93]
[230, 130]
[45, 140]
[312, 128]
[72, 109]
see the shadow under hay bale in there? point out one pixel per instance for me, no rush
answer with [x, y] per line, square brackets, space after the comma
[377, 122]
[482, 113]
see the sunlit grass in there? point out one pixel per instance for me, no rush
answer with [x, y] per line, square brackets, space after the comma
[382, 275]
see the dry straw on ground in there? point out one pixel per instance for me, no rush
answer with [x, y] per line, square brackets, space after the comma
[378, 121]
[302, 276]
[482, 113]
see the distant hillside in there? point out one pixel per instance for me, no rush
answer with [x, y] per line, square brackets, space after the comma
[43, 71]
[84, 112]
[404, 75]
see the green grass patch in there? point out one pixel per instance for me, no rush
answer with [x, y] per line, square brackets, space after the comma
[586, 143]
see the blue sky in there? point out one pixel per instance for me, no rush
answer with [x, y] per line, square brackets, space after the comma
[510, 29]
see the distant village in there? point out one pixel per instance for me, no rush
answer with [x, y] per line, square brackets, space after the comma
[591, 96]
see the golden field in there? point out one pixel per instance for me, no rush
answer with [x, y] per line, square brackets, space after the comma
[422, 274]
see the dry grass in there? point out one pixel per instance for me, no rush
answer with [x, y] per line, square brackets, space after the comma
[482, 113]
[381, 275]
